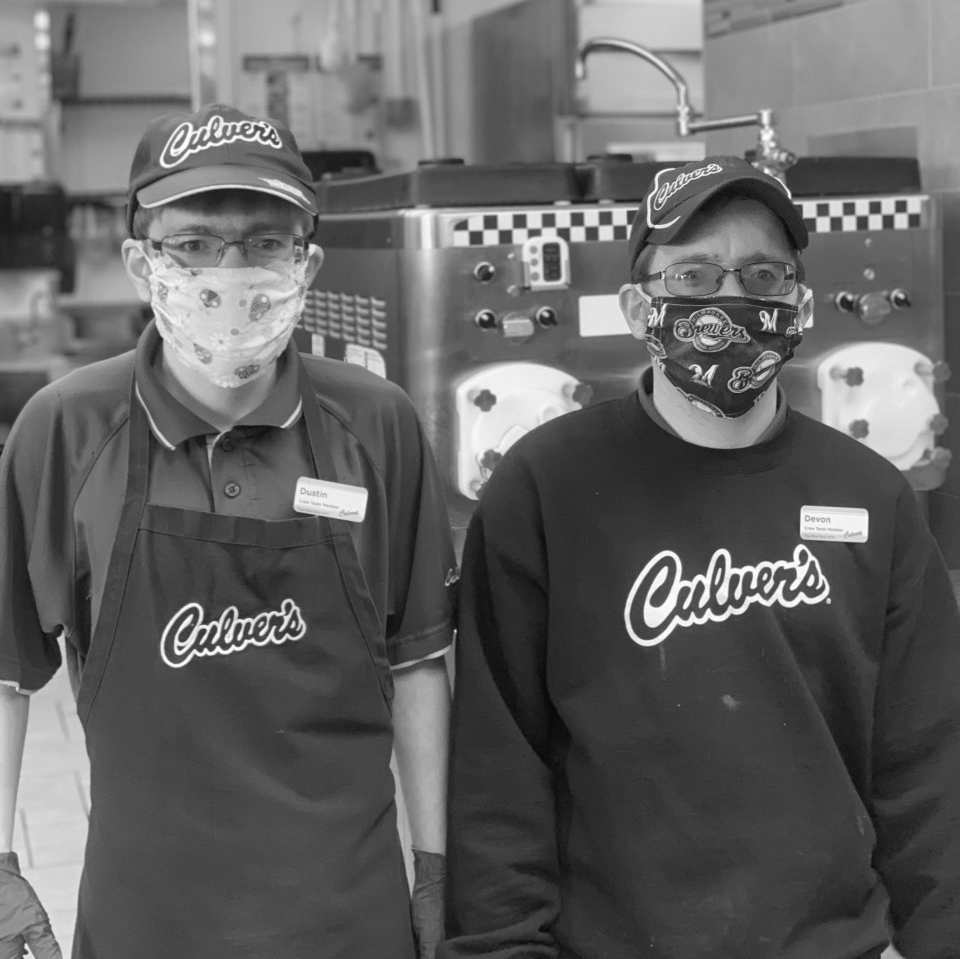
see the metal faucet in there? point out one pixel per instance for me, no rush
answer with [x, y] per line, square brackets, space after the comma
[771, 158]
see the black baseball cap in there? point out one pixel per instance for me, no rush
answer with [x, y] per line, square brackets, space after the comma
[676, 193]
[217, 148]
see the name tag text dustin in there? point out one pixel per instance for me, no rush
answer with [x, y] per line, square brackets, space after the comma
[334, 500]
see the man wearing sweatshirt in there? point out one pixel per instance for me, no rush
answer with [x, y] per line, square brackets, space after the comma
[708, 665]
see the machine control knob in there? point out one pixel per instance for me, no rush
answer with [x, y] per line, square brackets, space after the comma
[489, 459]
[484, 272]
[859, 429]
[900, 299]
[873, 307]
[938, 424]
[852, 376]
[515, 327]
[582, 393]
[484, 400]
[941, 457]
[939, 370]
[845, 302]
[486, 320]
[547, 317]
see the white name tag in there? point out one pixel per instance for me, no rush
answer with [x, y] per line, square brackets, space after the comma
[845, 524]
[335, 500]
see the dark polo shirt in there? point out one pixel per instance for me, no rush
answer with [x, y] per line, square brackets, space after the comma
[64, 469]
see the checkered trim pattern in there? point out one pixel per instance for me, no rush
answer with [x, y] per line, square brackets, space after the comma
[580, 225]
[591, 223]
[346, 316]
[864, 213]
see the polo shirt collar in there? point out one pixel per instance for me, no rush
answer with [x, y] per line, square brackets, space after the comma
[172, 423]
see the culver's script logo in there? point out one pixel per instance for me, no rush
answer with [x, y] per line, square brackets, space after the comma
[659, 197]
[187, 139]
[662, 600]
[190, 634]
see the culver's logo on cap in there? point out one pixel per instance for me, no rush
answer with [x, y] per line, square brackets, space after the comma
[664, 192]
[187, 140]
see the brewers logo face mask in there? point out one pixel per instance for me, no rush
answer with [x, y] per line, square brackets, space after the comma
[722, 353]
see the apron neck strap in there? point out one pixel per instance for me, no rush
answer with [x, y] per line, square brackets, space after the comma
[316, 433]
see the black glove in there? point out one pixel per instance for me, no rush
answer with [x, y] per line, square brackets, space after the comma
[22, 919]
[427, 901]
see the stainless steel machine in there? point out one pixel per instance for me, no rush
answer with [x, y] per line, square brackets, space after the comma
[872, 365]
[484, 291]
[490, 295]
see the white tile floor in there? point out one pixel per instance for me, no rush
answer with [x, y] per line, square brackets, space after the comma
[53, 803]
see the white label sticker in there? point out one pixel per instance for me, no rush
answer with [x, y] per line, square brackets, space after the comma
[844, 524]
[366, 357]
[601, 316]
[334, 500]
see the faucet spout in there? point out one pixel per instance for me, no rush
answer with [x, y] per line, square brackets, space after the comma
[772, 157]
[684, 111]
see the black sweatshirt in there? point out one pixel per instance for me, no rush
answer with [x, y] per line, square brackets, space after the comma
[683, 730]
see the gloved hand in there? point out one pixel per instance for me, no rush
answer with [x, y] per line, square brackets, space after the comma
[22, 919]
[427, 901]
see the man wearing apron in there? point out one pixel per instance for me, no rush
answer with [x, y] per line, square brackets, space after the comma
[248, 555]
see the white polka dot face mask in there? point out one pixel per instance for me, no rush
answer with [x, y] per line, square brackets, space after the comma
[228, 324]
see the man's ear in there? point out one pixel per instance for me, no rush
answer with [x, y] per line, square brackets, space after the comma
[314, 262]
[635, 308]
[138, 268]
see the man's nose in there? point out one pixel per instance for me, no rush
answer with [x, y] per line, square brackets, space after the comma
[730, 285]
[233, 256]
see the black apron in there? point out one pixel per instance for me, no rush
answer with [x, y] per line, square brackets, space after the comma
[236, 703]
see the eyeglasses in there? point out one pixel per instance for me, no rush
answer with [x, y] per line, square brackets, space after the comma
[204, 249]
[766, 278]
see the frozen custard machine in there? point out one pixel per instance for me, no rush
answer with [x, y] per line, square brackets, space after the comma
[490, 295]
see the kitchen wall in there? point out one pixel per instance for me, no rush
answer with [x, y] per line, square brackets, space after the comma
[426, 82]
[132, 64]
[527, 105]
[23, 95]
[869, 77]
[441, 53]
[398, 40]
[358, 60]
[383, 61]
[459, 19]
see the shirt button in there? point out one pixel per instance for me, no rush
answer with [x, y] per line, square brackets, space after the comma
[231, 489]
[227, 445]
